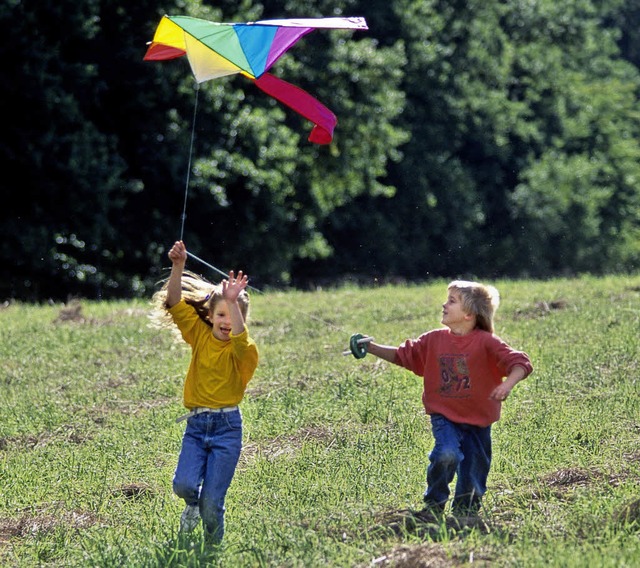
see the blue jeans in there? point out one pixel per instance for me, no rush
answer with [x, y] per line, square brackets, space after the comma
[210, 451]
[462, 450]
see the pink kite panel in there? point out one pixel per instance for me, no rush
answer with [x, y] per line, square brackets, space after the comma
[283, 40]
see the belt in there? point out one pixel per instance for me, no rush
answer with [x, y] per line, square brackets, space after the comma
[202, 409]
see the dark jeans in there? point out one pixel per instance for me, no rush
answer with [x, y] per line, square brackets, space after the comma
[210, 450]
[460, 450]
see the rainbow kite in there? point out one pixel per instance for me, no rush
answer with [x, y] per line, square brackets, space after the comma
[217, 49]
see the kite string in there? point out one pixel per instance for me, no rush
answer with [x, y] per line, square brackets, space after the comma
[310, 316]
[186, 189]
[184, 216]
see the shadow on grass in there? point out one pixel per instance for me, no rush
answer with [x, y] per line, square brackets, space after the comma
[427, 525]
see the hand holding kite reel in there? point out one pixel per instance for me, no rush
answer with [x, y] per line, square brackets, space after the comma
[358, 345]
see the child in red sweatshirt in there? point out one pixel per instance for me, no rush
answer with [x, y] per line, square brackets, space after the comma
[468, 372]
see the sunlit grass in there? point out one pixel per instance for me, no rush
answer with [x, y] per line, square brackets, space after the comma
[335, 448]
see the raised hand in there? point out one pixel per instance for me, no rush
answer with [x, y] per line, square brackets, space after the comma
[233, 285]
[178, 253]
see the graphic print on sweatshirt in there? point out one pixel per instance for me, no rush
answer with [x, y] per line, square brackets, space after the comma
[454, 375]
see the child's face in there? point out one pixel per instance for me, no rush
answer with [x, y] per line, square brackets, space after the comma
[221, 320]
[453, 313]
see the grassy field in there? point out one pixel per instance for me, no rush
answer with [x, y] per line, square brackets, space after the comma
[335, 448]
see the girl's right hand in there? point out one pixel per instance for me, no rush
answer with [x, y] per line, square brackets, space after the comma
[178, 253]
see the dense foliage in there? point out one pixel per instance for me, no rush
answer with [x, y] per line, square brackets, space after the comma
[482, 137]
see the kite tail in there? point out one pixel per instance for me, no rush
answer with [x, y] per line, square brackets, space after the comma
[303, 103]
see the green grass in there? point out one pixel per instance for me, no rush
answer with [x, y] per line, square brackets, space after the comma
[335, 448]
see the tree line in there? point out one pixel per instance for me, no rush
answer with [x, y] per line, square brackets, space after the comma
[475, 138]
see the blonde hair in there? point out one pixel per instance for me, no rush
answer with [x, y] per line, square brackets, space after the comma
[480, 300]
[197, 292]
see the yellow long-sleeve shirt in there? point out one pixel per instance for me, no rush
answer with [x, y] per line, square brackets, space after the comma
[219, 371]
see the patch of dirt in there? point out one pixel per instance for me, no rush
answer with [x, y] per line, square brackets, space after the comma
[635, 456]
[541, 309]
[289, 444]
[569, 477]
[407, 522]
[43, 520]
[134, 491]
[563, 481]
[72, 312]
[284, 445]
[69, 434]
[424, 556]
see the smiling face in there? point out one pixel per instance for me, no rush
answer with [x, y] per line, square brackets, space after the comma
[221, 320]
[453, 314]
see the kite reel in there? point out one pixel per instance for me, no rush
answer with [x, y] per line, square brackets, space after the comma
[358, 345]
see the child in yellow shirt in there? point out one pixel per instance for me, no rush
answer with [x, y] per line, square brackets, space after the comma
[211, 319]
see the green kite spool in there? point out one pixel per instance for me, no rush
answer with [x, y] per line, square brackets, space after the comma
[359, 350]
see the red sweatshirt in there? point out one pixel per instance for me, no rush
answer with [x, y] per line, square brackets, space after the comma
[460, 372]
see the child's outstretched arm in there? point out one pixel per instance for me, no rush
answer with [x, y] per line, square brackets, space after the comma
[386, 352]
[231, 289]
[178, 257]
